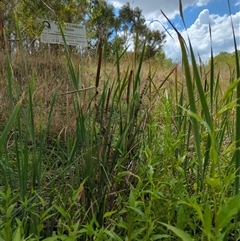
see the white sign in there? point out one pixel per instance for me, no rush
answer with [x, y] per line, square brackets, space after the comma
[74, 34]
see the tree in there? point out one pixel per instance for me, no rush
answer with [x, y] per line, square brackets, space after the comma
[154, 42]
[225, 58]
[133, 25]
[104, 26]
[29, 11]
[132, 19]
[101, 23]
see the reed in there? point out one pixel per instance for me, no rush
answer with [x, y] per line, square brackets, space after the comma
[133, 158]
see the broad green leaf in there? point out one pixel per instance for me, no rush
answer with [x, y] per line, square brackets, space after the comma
[122, 224]
[9, 210]
[226, 212]
[17, 235]
[180, 233]
[40, 227]
[67, 238]
[198, 209]
[213, 181]
[113, 235]
[62, 211]
[44, 215]
[51, 239]
[207, 220]
[109, 214]
[137, 210]
[160, 236]
[59, 237]
[136, 232]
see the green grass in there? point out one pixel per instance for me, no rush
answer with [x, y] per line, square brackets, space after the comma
[137, 160]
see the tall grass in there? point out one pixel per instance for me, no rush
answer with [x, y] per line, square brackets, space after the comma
[237, 161]
[136, 160]
[214, 147]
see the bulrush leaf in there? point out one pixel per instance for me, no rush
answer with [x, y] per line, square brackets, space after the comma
[237, 138]
[192, 101]
[181, 12]
[10, 123]
[211, 71]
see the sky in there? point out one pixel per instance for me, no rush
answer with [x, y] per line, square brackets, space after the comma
[198, 14]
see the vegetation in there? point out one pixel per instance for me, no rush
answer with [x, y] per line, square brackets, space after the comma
[224, 58]
[118, 151]
[105, 26]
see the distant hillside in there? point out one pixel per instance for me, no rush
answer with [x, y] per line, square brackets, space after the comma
[224, 58]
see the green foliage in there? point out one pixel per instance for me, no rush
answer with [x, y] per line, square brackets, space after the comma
[103, 25]
[67, 11]
[164, 61]
[133, 23]
[154, 42]
[132, 19]
[144, 162]
[224, 58]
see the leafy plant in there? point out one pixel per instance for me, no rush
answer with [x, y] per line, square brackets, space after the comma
[119, 156]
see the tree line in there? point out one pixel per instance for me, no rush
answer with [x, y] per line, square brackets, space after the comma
[124, 28]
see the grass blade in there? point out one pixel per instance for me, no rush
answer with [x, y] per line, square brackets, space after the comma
[10, 123]
[226, 212]
[181, 234]
[237, 140]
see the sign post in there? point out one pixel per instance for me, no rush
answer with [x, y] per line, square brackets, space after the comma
[74, 34]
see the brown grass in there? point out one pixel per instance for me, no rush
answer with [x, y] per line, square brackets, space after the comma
[50, 74]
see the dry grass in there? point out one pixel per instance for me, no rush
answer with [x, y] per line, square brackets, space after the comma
[50, 74]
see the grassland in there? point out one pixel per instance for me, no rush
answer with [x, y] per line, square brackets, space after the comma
[118, 150]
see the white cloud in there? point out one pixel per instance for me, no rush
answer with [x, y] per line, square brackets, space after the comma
[202, 3]
[151, 8]
[198, 32]
[222, 39]
[204, 18]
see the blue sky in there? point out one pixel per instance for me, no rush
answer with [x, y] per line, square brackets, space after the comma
[217, 7]
[198, 14]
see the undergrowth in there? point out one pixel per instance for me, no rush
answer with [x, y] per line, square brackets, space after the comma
[132, 158]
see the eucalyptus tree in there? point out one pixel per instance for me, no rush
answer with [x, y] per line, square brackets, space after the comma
[101, 23]
[132, 19]
[134, 27]
[105, 25]
[154, 42]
